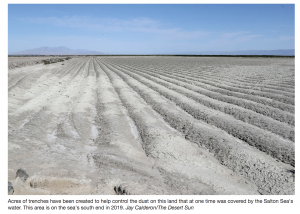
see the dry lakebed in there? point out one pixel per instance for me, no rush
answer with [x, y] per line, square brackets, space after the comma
[152, 125]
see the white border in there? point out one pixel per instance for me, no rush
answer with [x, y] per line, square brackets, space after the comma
[202, 208]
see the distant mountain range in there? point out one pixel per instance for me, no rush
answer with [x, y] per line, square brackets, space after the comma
[281, 52]
[56, 51]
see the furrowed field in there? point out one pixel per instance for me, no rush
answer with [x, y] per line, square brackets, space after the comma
[153, 125]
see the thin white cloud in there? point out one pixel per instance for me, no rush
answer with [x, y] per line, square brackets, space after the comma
[238, 36]
[246, 38]
[280, 39]
[232, 39]
[284, 38]
[142, 25]
[233, 34]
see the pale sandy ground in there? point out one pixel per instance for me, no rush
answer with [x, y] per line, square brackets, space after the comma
[78, 128]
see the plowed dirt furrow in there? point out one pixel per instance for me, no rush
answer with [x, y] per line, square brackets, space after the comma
[256, 107]
[263, 140]
[45, 88]
[64, 72]
[127, 168]
[265, 101]
[56, 151]
[250, 117]
[32, 88]
[239, 86]
[40, 103]
[260, 83]
[215, 88]
[164, 145]
[271, 82]
[15, 76]
[220, 84]
[284, 98]
[15, 79]
[152, 125]
[64, 106]
[229, 151]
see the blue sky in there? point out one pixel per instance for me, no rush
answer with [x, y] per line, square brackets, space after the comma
[152, 29]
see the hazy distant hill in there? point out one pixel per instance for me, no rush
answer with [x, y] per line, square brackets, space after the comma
[281, 52]
[66, 51]
[56, 51]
